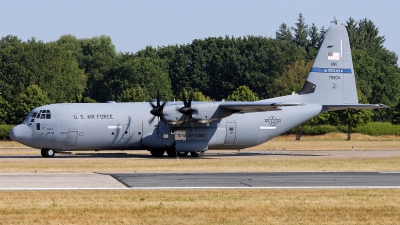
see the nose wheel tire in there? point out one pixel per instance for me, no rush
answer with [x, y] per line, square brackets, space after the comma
[47, 153]
[197, 154]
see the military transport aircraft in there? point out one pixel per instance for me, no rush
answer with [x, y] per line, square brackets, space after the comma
[183, 127]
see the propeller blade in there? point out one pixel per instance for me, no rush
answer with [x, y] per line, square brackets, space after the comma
[184, 99]
[189, 104]
[151, 120]
[152, 105]
[157, 110]
[158, 98]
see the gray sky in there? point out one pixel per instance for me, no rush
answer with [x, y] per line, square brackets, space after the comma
[132, 25]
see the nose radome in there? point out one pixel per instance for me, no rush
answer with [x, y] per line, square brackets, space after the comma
[21, 133]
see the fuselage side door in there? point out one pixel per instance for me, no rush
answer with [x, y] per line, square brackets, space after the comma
[230, 133]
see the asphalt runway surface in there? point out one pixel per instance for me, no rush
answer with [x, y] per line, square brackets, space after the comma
[271, 180]
[216, 180]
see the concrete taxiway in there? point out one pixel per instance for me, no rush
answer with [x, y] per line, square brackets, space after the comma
[273, 180]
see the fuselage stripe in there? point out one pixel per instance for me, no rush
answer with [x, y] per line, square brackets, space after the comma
[330, 70]
[267, 128]
[114, 127]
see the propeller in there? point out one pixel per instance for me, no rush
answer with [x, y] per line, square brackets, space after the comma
[187, 109]
[157, 110]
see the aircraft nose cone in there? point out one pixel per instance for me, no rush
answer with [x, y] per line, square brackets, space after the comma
[21, 133]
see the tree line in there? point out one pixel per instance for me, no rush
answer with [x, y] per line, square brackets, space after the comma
[69, 69]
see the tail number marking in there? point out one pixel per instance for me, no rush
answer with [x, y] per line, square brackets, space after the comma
[334, 77]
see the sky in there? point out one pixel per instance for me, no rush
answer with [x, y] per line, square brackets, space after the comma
[133, 25]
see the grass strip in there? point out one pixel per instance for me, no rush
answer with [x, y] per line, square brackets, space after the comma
[206, 164]
[258, 206]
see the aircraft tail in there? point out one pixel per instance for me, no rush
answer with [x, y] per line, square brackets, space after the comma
[331, 79]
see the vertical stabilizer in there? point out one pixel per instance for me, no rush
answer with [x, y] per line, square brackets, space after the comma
[331, 80]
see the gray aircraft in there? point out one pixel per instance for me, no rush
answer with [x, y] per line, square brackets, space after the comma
[183, 127]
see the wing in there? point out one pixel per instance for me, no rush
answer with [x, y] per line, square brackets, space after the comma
[260, 106]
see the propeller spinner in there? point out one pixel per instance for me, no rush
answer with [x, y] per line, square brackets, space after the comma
[187, 109]
[157, 110]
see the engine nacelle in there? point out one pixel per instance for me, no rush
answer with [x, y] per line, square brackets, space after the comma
[204, 113]
[207, 113]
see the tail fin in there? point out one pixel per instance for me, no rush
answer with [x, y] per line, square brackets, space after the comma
[331, 79]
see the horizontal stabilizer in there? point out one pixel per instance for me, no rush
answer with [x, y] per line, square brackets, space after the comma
[259, 106]
[356, 106]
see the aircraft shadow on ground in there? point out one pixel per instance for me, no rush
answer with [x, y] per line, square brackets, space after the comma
[148, 156]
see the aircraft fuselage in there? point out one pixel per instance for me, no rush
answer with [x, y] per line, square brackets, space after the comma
[125, 126]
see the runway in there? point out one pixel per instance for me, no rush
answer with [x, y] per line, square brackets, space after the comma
[126, 181]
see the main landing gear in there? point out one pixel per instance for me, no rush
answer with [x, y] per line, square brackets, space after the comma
[47, 153]
[173, 153]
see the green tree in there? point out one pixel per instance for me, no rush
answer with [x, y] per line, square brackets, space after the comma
[376, 69]
[96, 56]
[352, 117]
[315, 41]
[301, 32]
[151, 74]
[5, 109]
[284, 33]
[242, 93]
[35, 62]
[396, 114]
[292, 79]
[27, 100]
[197, 96]
[135, 94]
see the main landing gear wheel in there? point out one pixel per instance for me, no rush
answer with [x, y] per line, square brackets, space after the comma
[157, 153]
[197, 154]
[171, 153]
[48, 153]
[182, 154]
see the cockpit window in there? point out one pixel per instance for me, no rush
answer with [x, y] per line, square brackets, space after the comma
[34, 114]
[44, 114]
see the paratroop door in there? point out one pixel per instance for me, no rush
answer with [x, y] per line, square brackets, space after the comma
[230, 133]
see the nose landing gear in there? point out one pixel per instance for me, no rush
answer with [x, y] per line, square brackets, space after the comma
[47, 153]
